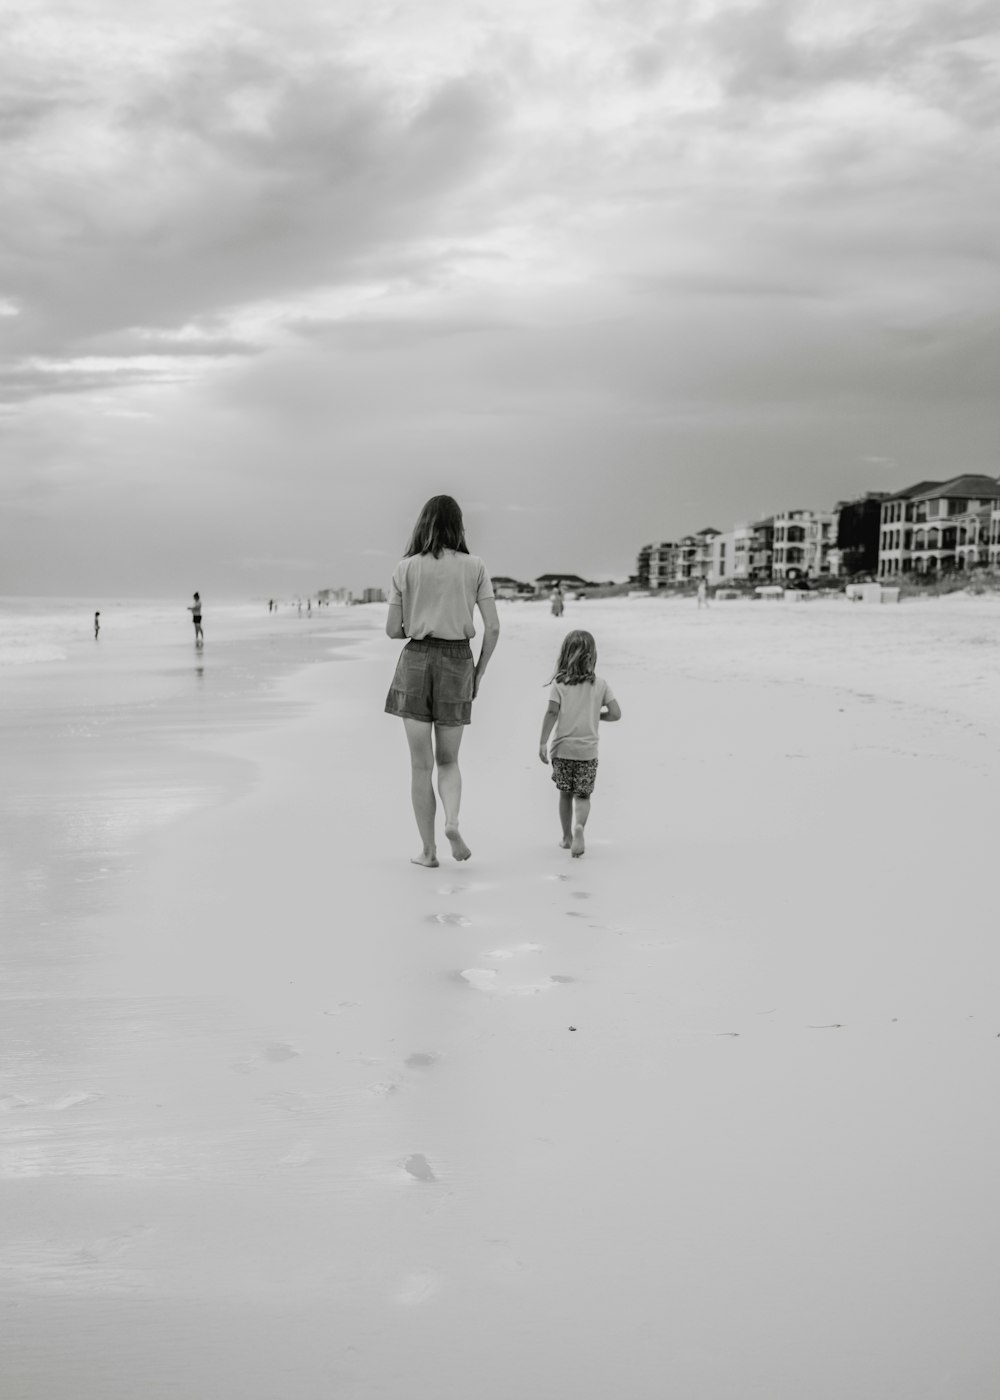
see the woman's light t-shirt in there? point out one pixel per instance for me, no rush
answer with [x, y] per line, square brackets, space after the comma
[438, 595]
[580, 708]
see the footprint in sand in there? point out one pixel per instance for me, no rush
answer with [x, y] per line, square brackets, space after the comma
[75, 1100]
[419, 1168]
[299, 1155]
[579, 894]
[421, 1059]
[415, 1288]
[472, 888]
[455, 920]
[276, 1053]
[518, 951]
[484, 979]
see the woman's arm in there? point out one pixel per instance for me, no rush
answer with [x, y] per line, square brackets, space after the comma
[491, 634]
[394, 621]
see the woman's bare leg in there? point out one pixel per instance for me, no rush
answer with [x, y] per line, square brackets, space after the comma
[447, 742]
[418, 736]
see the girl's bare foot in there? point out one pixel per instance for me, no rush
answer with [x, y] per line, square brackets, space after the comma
[577, 847]
[458, 847]
[566, 842]
[425, 858]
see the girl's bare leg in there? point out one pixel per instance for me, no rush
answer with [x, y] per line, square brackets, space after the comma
[447, 742]
[418, 736]
[582, 813]
[566, 819]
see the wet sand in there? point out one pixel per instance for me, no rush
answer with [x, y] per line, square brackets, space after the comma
[705, 1113]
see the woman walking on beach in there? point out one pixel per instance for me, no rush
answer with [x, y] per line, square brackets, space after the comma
[435, 588]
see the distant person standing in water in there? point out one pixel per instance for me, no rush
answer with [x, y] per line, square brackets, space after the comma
[195, 610]
[556, 598]
[702, 593]
[435, 588]
[97, 623]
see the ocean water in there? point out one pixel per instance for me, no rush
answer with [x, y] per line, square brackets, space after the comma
[105, 740]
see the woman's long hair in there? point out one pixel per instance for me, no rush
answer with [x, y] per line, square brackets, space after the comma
[439, 527]
[577, 659]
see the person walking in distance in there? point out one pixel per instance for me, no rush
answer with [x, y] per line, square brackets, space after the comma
[702, 593]
[435, 589]
[578, 700]
[195, 610]
[97, 624]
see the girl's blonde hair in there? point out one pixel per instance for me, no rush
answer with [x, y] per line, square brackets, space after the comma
[577, 659]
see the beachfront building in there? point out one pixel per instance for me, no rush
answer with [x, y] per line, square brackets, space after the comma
[802, 543]
[858, 527]
[505, 587]
[761, 550]
[939, 526]
[545, 583]
[373, 595]
[657, 565]
[742, 536]
[696, 555]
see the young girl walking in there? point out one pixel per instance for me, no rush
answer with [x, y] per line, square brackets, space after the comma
[578, 700]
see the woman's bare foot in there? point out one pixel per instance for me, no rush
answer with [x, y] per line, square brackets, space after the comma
[458, 847]
[577, 847]
[566, 842]
[425, 858]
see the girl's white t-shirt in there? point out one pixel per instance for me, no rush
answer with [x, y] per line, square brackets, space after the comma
[576, 730]
[438, 595]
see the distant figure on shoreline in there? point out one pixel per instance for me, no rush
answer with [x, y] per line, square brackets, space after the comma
[195, 610]
[270, 605]
[578, 700]
[702, 593]
[435, 588]
[97, 623]
[556, 597]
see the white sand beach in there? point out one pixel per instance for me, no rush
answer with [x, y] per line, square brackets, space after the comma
[709, 1113]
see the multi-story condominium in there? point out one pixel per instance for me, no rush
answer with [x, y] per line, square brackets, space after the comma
[696, 555]
[938, 526]
[802, 543]
[761, 550]
[858, 525]
[740, 566]
[657, 565]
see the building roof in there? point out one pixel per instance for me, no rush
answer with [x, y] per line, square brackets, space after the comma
[971, 485]
[917, 490]
[560, 578]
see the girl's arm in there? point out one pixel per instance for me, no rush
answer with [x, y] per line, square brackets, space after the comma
[491, 635]
[548, 724]
[394, 621]
[612, 710]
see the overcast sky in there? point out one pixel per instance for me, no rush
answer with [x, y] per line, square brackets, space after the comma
[273, 272]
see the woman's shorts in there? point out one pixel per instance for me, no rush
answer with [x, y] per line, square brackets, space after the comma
[575, 775]
[433, 682]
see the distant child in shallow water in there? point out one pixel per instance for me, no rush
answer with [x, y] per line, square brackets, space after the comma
[578, 700]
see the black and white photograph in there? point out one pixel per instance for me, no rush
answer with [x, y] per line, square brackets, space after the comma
[499, 699]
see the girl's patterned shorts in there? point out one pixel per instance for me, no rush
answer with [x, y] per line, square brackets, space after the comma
[575, 775]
